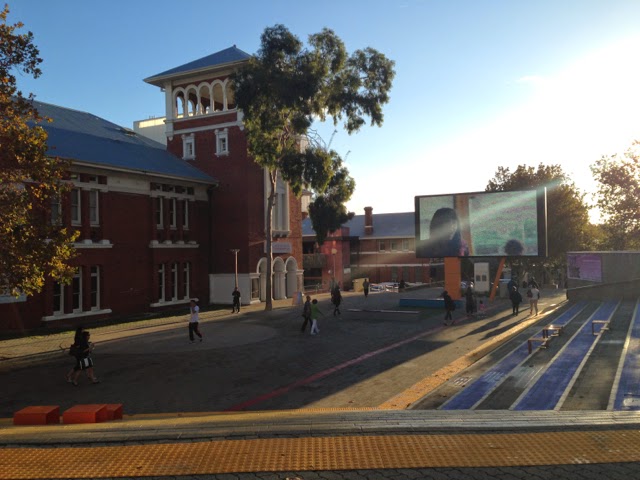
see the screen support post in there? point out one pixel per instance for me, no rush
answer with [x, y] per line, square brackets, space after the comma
[452, 277]
[496, 282]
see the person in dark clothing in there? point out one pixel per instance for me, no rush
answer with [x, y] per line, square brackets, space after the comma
[85, 362]
[336, 299]
[516, 300]
[306, 314]
[236, 300]
[77, 338]
[470, 301]
[449, 307]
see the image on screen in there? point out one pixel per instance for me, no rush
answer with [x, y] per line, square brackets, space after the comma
[481, 224]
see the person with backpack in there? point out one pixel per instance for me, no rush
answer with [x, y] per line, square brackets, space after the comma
[449, 307]
[84, 360]
[74, 351]
[516, 299]
[306, 314]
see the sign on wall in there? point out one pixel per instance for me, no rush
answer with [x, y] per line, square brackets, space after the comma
[584, 266]
[279, 247]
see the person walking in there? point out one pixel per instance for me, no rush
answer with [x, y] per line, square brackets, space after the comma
[194, 319]
[74, 350]
[449, 307]
[85, 361]
[365, 287]
[236, 300]
[306, 314]
[534, 294]
[336, 299]
[315, 314]
[516, 299]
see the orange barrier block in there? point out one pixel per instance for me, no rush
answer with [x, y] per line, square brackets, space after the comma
[114, 411]
[92, 413]
[40, 415]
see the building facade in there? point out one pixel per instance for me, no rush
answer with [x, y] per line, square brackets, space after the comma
[204, 128]
[378, 247]
[143, 220]
[163, 222]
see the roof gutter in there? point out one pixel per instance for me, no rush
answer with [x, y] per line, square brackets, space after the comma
[159, 80]
[141, 172]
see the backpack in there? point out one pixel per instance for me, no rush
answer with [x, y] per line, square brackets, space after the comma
[74, 350]
[529, 294]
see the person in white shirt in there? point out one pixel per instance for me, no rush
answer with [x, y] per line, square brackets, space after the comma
[533, 299]
[193, 321]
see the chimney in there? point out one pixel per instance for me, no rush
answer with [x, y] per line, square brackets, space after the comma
[368, 220]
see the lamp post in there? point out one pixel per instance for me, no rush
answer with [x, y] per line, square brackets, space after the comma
[235, 252]
[333, 252]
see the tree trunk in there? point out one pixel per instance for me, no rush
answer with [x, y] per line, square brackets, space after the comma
[273, 177]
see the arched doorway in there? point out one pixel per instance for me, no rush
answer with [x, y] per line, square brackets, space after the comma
[292, 277]
[279, 287]
[262, 271]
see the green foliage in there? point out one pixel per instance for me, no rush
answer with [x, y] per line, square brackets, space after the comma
[618, 197]
[30, 247]
[567, 213]
[283, 89]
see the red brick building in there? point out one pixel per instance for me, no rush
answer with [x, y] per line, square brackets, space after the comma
[203, 126]
[379, 247]
[160, 225]
[143, 218]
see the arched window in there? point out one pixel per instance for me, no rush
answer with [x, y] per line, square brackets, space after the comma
[218, 96]
[179, 105]
[230, 95]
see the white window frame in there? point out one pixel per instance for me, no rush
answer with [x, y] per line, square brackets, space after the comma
[185, 214]
[56, 210]
[188, 147]
[280, 212]
[161, 284]
[381, 246]
[60, 287]
[76, 291]
[95, 274]
[94, 207]
[187, 279]
[76, 206]
[222, 142]
[174, 278]
[173, 213]
[405, 244]
[393, 245]
[159, 212]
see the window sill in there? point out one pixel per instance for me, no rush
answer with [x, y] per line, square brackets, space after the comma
[170, 303]
[92, 244]
[67, 316]
[170, 244]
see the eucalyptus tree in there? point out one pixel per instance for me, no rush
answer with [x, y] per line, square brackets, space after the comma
[287, 86]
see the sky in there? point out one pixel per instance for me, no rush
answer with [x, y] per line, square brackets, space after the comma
[480, 84]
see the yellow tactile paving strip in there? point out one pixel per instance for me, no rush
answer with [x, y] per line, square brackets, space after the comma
[417, 391]
[323, 453]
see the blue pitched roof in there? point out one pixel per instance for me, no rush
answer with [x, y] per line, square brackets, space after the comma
[86, 138]
[384, 225]
[228, 55]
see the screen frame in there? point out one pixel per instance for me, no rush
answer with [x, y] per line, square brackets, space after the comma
[541, 219]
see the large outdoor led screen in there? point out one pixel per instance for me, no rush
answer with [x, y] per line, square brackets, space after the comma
[483, 224]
